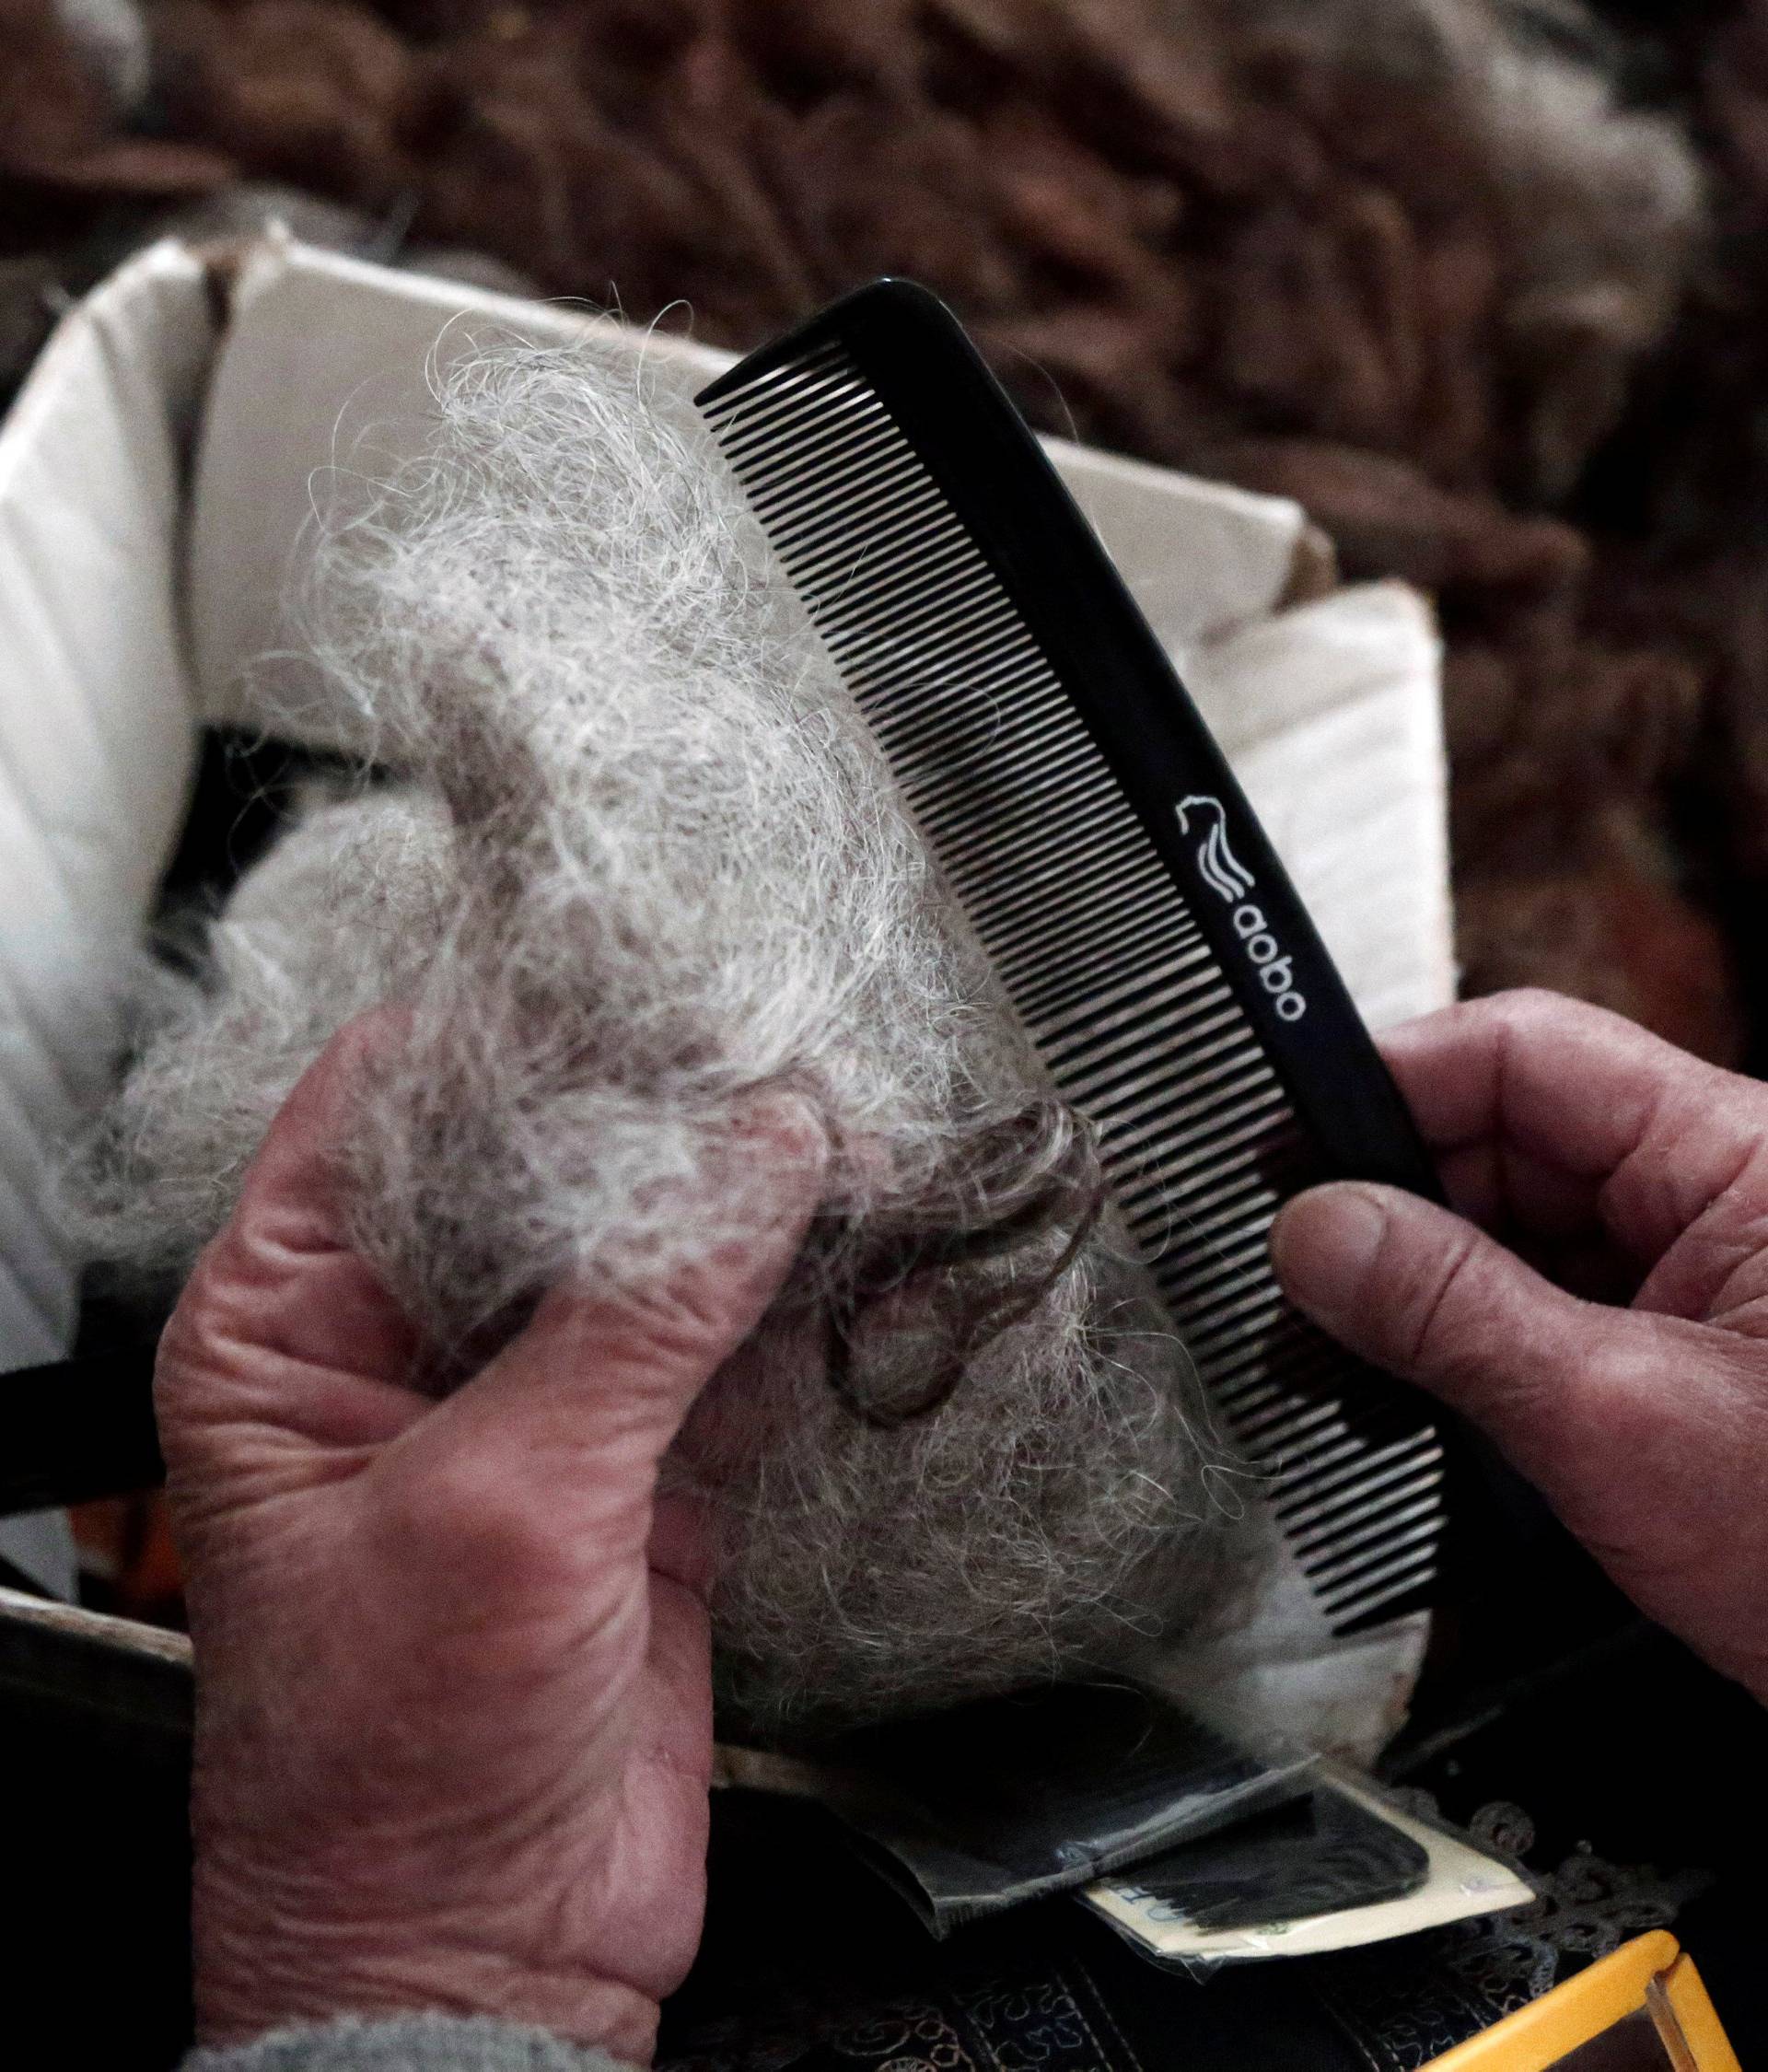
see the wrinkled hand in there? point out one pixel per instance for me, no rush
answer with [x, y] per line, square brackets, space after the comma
[453, 1692]
[1609, 1325]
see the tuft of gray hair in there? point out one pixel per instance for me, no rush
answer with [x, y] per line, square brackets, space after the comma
[640, 862]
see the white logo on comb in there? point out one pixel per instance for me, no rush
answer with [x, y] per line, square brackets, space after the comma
[1223, 871]
[1230, 880]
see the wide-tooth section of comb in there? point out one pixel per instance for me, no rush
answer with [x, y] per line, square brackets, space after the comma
[1095, 943]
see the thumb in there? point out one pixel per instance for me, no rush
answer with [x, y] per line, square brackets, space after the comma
[1417, 1290]
[590, 1394]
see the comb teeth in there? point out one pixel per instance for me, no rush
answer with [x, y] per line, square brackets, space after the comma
[1092, 939]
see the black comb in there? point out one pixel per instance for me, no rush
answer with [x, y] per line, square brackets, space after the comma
[1134, 912]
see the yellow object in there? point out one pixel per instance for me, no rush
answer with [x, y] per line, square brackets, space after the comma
[1647, 1992]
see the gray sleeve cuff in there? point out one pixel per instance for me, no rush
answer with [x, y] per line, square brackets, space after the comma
[417, 2043]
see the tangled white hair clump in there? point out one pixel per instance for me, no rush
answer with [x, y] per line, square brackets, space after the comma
[639, 863]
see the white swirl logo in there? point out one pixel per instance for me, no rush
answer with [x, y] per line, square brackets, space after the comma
[1222, 870]
[1231, 881]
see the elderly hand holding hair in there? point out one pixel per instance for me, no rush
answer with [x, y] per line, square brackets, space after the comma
[479, 1835]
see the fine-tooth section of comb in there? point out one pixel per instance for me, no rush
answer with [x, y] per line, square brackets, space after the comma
[1130, 904]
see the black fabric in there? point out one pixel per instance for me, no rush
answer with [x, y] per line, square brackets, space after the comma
[985, 1805]
[244, 796]
[77, 1430]
[97, 1761]
[812, 1964]
[1641, 1756]
[1636, 1757]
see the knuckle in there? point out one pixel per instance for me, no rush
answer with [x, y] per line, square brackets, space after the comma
[681, 1329]
[643, 1347]
[1528, 1003]
[198, 1350]
[215, 1306]
[1600, 1434]
[1615, 1394]
[466, 1519]
[1526, 1010]
[1431, 1313]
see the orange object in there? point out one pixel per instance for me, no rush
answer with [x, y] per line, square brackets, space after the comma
[1642, 2009]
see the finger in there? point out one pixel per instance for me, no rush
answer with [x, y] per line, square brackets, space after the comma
[1646, 1433]
[281, 1325]
[1419, 1291]
[1507, 1190]
[1570, 1096]
[586, 1400]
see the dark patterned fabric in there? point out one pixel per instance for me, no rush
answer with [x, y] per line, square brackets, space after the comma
[810, 1965]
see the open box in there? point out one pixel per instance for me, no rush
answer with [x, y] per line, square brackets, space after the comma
[156, 478]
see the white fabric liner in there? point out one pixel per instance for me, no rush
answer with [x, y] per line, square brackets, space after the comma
[132, 604]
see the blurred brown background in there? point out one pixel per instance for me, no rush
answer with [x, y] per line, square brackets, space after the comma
[1480, 282]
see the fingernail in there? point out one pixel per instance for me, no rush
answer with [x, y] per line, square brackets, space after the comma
[1324, 1243]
